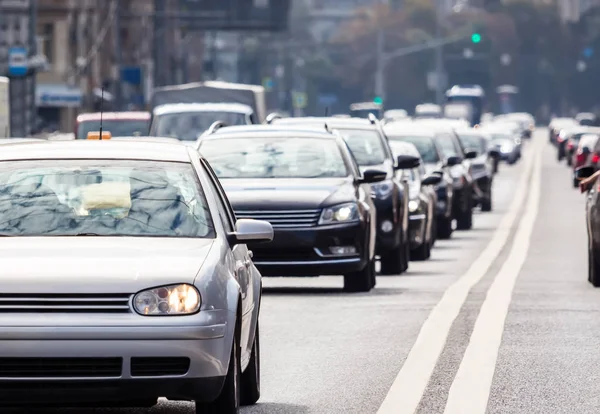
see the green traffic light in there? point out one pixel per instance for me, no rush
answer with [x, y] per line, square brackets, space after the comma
[378, 100]
[475, 38]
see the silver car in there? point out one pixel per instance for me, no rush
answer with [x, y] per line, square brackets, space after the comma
[125, 277]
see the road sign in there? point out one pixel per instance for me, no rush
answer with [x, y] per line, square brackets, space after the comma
[300, 100]
[327, 99]
[17, 61]
[588, 52]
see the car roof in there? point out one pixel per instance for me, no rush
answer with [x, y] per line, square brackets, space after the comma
[336, 123]
[588, 139]
[147, 139]
[86, 149]
[112, 116]
[412, 128]
[268, 132]
[175, 108]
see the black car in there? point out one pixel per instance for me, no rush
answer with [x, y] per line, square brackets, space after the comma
[482, 167]
[370, 148]
[441, 150]
[308, 186]
[422, 202]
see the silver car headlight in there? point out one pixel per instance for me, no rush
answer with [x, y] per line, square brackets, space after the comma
[182, 299]
[383, 189]
[342, 213]
[413, 205]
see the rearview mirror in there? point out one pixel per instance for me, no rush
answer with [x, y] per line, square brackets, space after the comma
[251, 231]
[471, 154]
[494, 153]
[433, 179]
[582, 173]
[373, 176]
[407, 162]
[453, 160]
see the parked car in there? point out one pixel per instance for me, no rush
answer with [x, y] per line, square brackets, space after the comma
[557, 125]
[139, 272]
[422, 202]
[309, 187]
[370, 148]
[482, 167]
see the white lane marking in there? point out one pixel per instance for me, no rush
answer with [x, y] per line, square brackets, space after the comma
[407, 389]
[471, 387]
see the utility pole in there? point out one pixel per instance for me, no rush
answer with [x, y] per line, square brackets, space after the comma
[380, 86]
[118, 56]
[439, 57]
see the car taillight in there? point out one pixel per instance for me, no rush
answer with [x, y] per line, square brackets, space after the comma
[595, 158]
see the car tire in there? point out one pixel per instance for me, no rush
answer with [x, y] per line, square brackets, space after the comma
[444, 228]
[423, 252]
[228, 401]
[250, 382]
[486, 203]
[361, 281]
[465, 220]
[392, 263]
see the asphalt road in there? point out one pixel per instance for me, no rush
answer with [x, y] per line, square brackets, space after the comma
[500, 320]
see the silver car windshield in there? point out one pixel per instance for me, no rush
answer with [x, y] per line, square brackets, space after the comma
[188, 126]
[274, 158]
[473, 142]
[425, 146]
[102, 198]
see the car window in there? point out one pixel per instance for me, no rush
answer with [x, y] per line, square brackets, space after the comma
[280, 157]
[225, 211]
[447, 145]
[366, 145]
[104, 198]
[188, 126]
[425, 145]
[473, 142]
[117, 128]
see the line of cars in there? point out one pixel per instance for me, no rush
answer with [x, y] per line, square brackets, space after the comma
[171, 242]
[577, 141]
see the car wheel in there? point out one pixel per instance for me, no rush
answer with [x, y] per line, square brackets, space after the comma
[250, 382]
[421, 253]
[392, 263]
[465, 220]
[444, 228]
[593, 268]
[486, 204]
[228, 401]
[361, 281]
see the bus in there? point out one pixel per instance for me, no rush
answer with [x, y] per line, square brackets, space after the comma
[472, 95]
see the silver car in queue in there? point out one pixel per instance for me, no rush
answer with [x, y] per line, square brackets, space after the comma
[125, 278]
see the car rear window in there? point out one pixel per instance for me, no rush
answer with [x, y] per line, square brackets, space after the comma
[117, 127]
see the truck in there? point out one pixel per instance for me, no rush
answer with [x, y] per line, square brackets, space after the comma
[4, 108]
[216, 92]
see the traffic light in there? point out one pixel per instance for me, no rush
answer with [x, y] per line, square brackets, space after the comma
[378, 100]
[476, 37]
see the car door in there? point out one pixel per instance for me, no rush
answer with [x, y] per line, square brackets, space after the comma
[245, 272]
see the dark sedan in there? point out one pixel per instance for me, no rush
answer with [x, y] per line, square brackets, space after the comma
[433, 160]
[422, 201]
[483, 166]
[370, 148]
[307, 185]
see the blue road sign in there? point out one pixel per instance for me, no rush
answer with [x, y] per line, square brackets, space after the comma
[17, 61]
[588, 52]
[327, 99]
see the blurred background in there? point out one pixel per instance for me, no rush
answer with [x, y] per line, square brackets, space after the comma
[539, 56]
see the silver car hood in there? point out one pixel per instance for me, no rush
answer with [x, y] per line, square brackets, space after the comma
[98, 264]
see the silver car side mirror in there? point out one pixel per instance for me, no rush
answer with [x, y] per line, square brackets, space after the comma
[251, 231]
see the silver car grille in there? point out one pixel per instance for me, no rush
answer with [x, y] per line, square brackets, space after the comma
[64, 303]
[283, 218]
